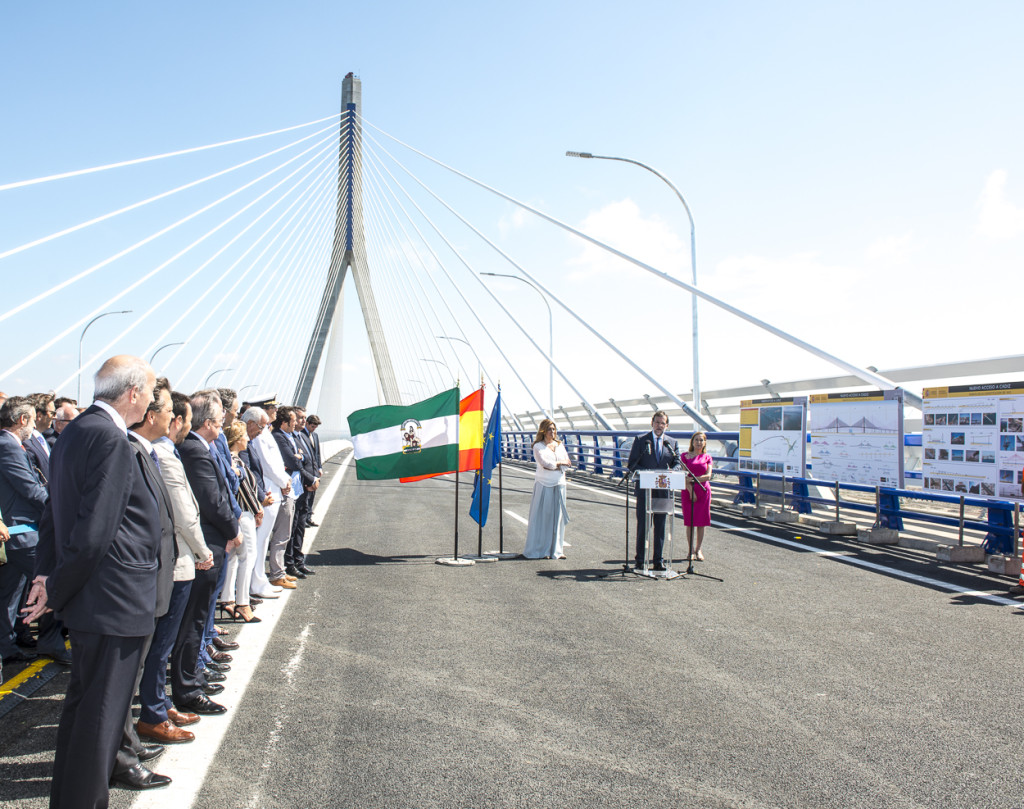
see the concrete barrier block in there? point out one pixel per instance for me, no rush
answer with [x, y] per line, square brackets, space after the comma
[919, 544]
[843, 529]
[1004, 565]
[879, 536]
[755, 511]
[782, 516]
[960, 554]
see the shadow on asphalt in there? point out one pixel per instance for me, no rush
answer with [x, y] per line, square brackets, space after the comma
[350, 556]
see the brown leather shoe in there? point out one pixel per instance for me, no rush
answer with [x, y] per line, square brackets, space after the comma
[164, 733]
[181, 718]
[287, 585]
[289, 577]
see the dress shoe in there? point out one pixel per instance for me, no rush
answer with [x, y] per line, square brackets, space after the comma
[165, 733]
[212, 676]
[294, 573]
[218, 657]
[223, 631]
[25, 639]
[181, 719]
[284, 583]
[306, 570]
[254, 601]
[223, 668]
[150, 752]
[265, 594]
[213, 689]
[225, 645]
[312, 524]
[138, 777]
[61, 657]
[19, 657]
[202, 705]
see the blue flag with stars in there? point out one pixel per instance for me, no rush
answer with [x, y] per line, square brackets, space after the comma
[491, 458]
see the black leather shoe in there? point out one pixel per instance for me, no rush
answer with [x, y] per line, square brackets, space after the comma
[201, 705]
[150, 752]
[306, 570]
[218, 657]
[138, 777]
[223, 668]
[224, 645]
[25, 639]
[212, 689]
[212, 676]
[291, 570]
[19, 657]
[61, 657]
[312, 524]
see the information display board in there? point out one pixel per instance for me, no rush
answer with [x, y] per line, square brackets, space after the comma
[972, 439]
[858, 437]
[772, 436]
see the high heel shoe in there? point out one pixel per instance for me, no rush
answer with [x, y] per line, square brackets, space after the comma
[227, 608]
[244, 614]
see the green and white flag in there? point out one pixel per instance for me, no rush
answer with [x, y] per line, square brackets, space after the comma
[402, 441]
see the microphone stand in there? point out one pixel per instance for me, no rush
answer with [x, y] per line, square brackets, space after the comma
[626, 570]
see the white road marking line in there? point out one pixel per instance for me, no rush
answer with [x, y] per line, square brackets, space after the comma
[188, 764]
[515, 516]
[852, 560]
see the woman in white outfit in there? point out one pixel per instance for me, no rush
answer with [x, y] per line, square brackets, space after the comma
[545, 534]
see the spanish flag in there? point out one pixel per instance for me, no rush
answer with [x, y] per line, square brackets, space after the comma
[471, 436]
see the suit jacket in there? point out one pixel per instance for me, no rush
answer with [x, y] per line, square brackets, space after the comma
[642, 456]
[168, 543]
[216, 517]
[39, 456]
[50, 435]
[309, 461]
[222, 455]
[22, 494]
[314, 441]
[105, 531]
[191, 545]
[292, 460]
[251, 458]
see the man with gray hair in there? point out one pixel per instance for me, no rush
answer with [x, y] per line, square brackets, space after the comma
[97, 569]
[272, 536]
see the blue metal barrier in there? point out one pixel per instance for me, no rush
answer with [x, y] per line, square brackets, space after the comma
[607, 453]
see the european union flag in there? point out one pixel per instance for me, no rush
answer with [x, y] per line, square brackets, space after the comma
[490, 459]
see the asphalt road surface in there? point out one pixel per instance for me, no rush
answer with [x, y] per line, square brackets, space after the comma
[784, 676]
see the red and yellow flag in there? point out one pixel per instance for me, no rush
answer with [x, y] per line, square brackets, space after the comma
[471, 436]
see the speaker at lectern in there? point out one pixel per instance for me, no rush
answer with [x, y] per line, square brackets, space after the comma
[651, 480]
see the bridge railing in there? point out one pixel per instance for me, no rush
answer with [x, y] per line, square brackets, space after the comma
[605, 454]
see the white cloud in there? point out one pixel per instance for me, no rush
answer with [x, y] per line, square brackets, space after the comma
[998, 217]
[512, 222]
[621, 225]
[891, 249]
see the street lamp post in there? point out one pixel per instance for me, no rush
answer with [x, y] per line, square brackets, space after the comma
[479, 367]
[214, 373]
[551, 337]
[443, 364]
[693, 258]
[165, 345]
[82, 337]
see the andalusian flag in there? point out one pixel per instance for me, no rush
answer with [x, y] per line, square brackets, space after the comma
[471, 437]
[395, 441]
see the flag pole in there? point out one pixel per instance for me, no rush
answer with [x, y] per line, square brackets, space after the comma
[455, 561]
[480, 483]
[501, 510]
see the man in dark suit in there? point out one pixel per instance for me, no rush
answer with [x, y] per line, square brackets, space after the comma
[299, 465]
[98, 572]
[654, 450]
[36, 444]
[190, 691]
[312, 422]
[22, 500]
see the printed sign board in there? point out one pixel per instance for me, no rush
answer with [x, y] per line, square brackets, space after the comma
[772, 436]
[858, 437]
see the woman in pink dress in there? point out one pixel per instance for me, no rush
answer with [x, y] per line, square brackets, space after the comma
[697, 496]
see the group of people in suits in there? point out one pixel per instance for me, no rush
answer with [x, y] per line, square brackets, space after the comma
[157, 507]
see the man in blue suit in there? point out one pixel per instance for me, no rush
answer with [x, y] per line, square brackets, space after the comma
[653, 450]
[98, 564]
[22, 500]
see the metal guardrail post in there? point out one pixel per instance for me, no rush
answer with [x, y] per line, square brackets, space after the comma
[783, 508]
[960, 542]
[837, 501]
[598, 464]
[757, 492]
[1016, 529]
[878, 506]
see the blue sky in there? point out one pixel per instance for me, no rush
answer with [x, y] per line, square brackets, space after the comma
[854, 170]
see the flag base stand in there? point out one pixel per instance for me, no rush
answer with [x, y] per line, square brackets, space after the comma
[475, 558]
[650, 573]
[502, 554]
[455, 561]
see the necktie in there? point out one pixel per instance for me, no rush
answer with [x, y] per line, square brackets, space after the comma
[657, 449]
[152, 454]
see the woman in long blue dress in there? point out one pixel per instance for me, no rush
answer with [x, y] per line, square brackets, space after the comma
[545, 534]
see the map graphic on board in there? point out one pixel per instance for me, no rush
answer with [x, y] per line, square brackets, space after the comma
[858, 437]
[972, 440]
[772, 436]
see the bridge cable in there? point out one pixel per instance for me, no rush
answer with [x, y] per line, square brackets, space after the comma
[861, 373]
[138, 160]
